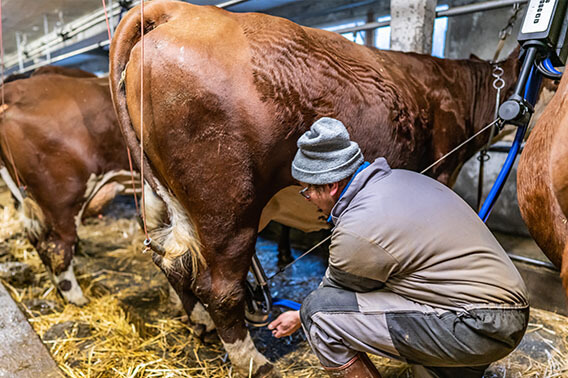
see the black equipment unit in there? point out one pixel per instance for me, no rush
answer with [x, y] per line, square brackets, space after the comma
[545, 26]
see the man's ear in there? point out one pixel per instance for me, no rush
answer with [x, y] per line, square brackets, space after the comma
[334, 189]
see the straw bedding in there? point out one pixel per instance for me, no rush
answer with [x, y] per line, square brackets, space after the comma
[129, 328]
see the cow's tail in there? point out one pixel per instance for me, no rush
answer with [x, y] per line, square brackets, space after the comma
[179, 237]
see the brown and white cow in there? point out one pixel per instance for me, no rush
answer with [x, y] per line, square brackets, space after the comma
[59, 137]
[542, 181]
[225, 98]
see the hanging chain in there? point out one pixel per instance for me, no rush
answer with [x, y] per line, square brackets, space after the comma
[483, 156]
[507, 30]
[498, 84]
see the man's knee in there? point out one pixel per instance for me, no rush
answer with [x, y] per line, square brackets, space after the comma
[327, 299]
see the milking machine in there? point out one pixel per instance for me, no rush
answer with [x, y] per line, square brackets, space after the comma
[544, 46]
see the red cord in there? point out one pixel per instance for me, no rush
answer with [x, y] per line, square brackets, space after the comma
[127, 149]
[143, 204]
[106, 18]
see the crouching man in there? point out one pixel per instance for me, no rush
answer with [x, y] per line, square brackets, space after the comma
[413, 274]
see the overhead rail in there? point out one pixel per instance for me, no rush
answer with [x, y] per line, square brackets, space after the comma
[51, 41]
[64, 37]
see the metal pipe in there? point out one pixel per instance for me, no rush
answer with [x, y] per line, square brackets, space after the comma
[72, 30]
[19, 47]
[68, 55]
[530, 261]
[479, 7]
[94, 20]
[466, 9]
[99, 17]
[230, 3]
[367, 26]
[455, 11]
[526, 70]
[46, 32]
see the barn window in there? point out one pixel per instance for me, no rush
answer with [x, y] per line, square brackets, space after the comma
[383, 35]
[439, 34]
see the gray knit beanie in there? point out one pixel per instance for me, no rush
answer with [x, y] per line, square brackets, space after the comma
[325, 154]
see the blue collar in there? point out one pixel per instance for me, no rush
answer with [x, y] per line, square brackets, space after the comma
[361, 167]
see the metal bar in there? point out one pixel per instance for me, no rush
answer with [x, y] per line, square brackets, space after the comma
[19, 47]
[230, 3]
[46, 32]
[479, 7]
[92, 21]
[535, 262]
[68, 55]
[455, 11]
[97, 18]
[68, 32]
[368, 26]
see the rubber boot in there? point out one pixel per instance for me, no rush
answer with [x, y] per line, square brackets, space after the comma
[359, 366]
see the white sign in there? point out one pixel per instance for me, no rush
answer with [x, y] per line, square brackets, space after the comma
[538, 16]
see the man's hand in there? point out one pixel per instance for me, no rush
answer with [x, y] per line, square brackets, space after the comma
[286, 324]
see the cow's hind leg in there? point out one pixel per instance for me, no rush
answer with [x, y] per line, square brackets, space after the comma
[55, 243]
[180, 285]
[222, 291]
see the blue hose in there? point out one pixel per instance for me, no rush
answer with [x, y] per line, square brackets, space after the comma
[286, 303]
[531, 90]
[548, 65]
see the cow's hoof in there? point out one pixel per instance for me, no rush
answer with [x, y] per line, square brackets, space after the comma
[267, 371]
[206, 337]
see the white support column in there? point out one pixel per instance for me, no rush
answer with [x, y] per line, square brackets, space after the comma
[412, 25]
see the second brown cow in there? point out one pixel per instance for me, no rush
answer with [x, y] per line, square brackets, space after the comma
[60, 141]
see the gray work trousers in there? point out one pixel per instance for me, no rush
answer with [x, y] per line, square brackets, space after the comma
[340, 323]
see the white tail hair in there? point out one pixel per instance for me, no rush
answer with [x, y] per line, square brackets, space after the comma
[177, 238]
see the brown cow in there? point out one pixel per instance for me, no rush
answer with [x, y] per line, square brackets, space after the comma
[225, 98]
[59, 135]
[542, 181]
